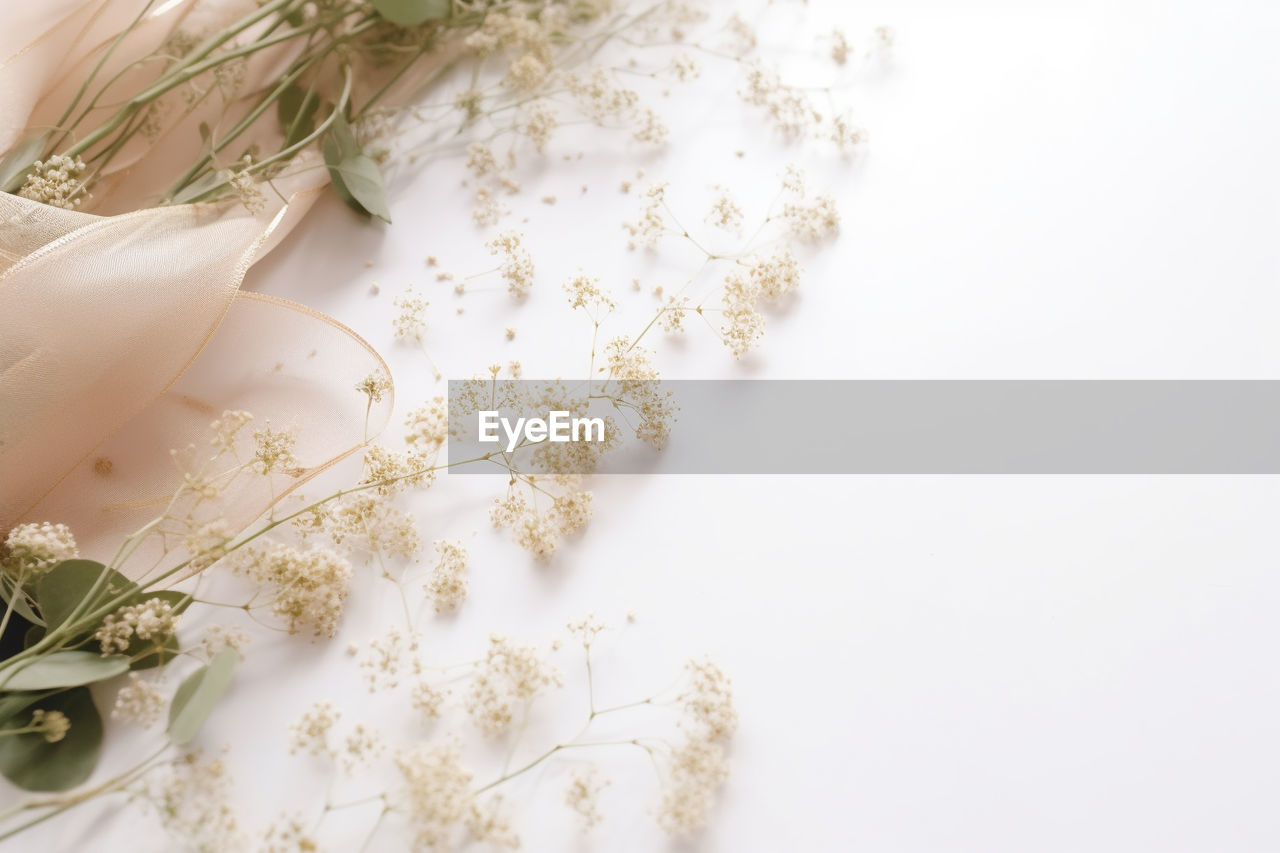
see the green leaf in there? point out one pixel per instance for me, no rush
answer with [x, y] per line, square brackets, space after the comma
[31, 762]
[15, 167]
[9, 590]
[12, 703]
[70, 668]
[355, 175]
[410, 13]
[195, 698]
[68, 584]
[296, 110]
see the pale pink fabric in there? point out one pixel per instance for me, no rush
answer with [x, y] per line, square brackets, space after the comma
[123, 336]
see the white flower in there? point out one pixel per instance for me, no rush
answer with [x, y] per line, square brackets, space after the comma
[56, 182]
[153, 619]
[437, 792]
[36, 548]
[139, 701]
[448, 584]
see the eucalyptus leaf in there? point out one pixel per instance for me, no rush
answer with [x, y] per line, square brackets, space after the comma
[31, 762]
[10, 591]
[196, 697]
[12, 703]
[15, 167]
[68, 584]
[355, 175]
[296, 110]
[410, 13]
[70, 668]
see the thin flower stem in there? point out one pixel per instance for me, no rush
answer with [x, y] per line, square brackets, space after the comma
[59, 805]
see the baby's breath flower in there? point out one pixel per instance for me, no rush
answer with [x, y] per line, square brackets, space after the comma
[411, 321]
[248, 191]
[526, 73]
[538, 122]
[726, 213]
[488, 210]
[638, 382]
[368, 522]
[428, 425]
[154, 619]
[394, 471]
[219, 637]
[139, 701]
[776, 275]
[517, 263]
[742, 31]
[786, 107]
[587, 629]
[53, 725]
[310, 732]
[648, 230]
[361, 745]
[374, 386]
[208, 543]
[651, 129]
[481, 159]
[673, 315]
[35, 548]
[845, 135]
[289, 833]
[708, 701]
[227, 428]
[468, 102]
[427, 700]
[437, 790]
[310, 587]
[812, 220]
[509, 677]
[583, 794]
[386, 657]
[585, 291]
[448, 583]
[55, 182]
[486, 824]
[192, 800]
[840, 47]
[698, 768]
[273, 451]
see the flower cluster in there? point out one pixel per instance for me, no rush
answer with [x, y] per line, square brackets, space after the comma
[139, 701]
[35, 548]
[56, 182]
[448, 583]
[154, 620]
[582, 795]
[540, 532]
[51, 725]
[506, 680]
[517, 264]
[411, 319]
[698, 766]
[766, 279]
[273, 451]
[309, 588]
[436, 792]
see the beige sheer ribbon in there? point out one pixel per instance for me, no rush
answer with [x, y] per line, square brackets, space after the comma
[102, 318]
[101, 323]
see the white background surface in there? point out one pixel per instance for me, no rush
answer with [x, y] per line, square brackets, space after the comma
[1051, 190]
